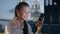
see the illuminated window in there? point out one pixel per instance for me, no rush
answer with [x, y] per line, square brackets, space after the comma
[59, 18]
[50, 2]
[51, 19]
[46, 2]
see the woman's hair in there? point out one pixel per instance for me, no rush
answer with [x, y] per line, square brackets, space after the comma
[19, 6]
[25, 29]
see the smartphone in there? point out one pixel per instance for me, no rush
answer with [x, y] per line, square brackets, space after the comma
[41, 17]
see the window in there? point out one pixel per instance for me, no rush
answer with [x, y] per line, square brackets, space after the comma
[59, 19]
[51, 19]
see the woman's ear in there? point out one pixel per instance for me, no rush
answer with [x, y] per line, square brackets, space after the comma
[17, 11]
[15, 17]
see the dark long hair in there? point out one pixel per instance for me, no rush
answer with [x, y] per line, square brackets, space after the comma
[19, 6]
[25, 29]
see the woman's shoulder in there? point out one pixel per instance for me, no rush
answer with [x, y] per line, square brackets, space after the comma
[29, 28]
[28, 25]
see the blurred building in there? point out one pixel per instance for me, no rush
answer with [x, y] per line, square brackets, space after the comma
[52, 11]
[52, 16]
[22, 1]
[35, 10]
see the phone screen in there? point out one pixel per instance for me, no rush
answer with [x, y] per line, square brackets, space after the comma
[41, 17]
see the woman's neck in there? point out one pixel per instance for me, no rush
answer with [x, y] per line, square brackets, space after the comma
[20, 22]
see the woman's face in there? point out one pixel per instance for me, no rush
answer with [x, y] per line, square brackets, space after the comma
[23, 13]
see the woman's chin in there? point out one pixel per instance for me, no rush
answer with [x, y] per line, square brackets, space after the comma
[25, 19]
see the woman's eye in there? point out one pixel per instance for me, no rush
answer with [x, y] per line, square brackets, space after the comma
[28, 11]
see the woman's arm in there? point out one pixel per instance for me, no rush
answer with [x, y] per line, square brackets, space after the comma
[39, 26]
[6, 30]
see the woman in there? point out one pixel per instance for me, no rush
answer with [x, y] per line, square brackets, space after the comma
[19, 24]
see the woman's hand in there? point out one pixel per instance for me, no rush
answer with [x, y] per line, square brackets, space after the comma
[39, 26]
